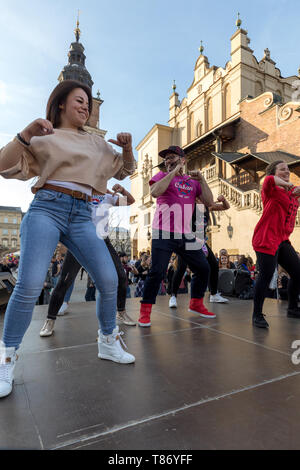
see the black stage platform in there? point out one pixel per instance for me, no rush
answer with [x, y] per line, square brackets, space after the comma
[196, 383]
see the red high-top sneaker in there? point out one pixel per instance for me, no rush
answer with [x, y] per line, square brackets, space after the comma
[145, 313]
[196, 306]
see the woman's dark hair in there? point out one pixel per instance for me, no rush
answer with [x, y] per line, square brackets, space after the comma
[59, 96]
[243, 260]
[270, 170]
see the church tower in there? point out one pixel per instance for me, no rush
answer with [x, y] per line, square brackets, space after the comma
[76, 70]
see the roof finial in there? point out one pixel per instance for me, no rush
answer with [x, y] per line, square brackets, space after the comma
[201, 48]
[238, 21]
[77, 30]
[98, 94]
[174, 86]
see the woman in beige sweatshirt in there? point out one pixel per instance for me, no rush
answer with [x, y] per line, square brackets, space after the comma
[71, 164]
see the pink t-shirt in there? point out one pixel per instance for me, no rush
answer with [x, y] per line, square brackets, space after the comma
[174, 208]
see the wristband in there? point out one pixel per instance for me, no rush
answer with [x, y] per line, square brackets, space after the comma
[22, 140]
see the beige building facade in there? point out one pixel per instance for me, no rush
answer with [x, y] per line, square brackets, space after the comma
[233, 121]
[10, 221]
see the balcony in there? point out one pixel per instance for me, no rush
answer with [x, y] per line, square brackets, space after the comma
[210, 173]
[243, 181]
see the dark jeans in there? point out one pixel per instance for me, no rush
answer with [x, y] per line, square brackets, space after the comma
[70, 269]
[161, 253]
[287, 257]
[213, 276]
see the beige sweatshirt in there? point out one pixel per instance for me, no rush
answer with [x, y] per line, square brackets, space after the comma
[66, 155]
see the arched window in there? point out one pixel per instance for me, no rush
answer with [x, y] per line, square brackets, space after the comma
[227, 101]
[258, 88]
[199, 129]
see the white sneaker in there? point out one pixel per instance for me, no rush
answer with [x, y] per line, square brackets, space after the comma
[218, 298]
[48, 328]
[123, 317]
[109, 347]
[63, 309]
[8, 359]
[173, 302]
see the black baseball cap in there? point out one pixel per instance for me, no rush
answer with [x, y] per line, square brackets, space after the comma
[172, 149]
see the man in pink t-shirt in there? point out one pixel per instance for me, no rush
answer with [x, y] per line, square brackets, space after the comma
[176, 194]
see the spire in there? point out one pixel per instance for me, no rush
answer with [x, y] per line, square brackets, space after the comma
[174, 86]
[75, 69]
[201, 48]
[238, 22]
[77, 30]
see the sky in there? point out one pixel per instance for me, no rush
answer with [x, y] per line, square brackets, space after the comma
[134, 49]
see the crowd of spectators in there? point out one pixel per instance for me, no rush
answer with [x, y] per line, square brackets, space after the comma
[138, 268]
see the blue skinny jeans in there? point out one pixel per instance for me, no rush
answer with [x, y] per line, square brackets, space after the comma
[54, 217]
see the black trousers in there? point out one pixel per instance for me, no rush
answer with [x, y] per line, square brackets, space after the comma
[213, 277]
[161, 252]
[70, 269]
[287, 257]
[90, 294]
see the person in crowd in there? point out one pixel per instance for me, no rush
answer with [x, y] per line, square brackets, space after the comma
[271, 239]
[282, 283]
[183, 287]
[172, 267]
[70, 164]
[225, 263]
[251, 267]
[61, 295]
[131, 274]
[176, 192]
[243, 264]
[128, 269]
[220, 205]
[56, 267]
[4, 268]
[142, 271]
[90, 295]
[48, 285]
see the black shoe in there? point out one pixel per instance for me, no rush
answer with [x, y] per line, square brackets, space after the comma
[259, 321]
[293, 312]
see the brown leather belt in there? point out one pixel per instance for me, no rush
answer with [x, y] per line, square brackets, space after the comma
[60, 189]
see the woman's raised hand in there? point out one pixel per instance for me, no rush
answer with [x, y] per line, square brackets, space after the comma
[124, 140]
[39, 127]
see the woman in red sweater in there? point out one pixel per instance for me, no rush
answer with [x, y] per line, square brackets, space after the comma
[271, 239]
